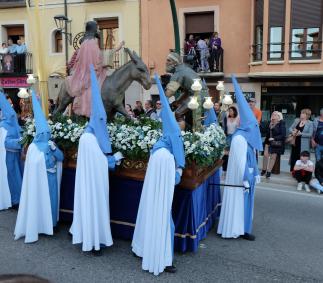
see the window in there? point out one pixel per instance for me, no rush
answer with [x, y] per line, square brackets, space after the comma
[258, 38]
[109, 29]
[57, 42]
[306, 29]
[276, 29]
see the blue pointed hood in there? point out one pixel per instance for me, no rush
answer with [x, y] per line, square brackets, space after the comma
[9, 118]
[98, 118]
[172, 138]
[249, 127]
[210, 115]
[43, 132]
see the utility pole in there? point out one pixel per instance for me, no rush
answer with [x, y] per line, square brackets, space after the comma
[66, 38]
[175, 24]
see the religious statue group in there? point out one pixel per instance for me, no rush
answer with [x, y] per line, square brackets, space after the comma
[34, 188]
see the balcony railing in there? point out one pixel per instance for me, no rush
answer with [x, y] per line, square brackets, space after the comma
[114, 59]
[275, 51]
[16, 64]
[306, 50]
[256, 52]
[12, 3]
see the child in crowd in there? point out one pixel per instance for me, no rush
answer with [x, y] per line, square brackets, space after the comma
[317, 183]
[303, 170]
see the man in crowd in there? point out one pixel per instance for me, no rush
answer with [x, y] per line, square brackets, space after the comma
[138, 110]
[218, 112]
[12, 47]
[216, 52]
[10, 150]
[21, 56]
[153, 239]
[91, 217]
[256, 111]
[149, 110]
[242, 172]
[158, 109]
[39, 202]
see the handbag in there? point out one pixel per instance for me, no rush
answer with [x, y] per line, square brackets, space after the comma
[276, 143]
[290, 139]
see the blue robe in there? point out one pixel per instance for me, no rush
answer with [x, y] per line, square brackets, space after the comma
[13, 162]
[51, 158]
[251, 165]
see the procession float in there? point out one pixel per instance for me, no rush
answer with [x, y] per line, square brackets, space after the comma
[197, 198]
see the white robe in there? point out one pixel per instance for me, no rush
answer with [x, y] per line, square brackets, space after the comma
[34, 214]
[91, 218]
[231, 223]
[152, 239]
[5, 196]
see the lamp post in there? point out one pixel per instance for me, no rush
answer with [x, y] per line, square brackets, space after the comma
[224, 97]
[63, 24]
[195, 105]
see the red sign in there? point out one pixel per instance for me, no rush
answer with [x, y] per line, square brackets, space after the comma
[13, 82]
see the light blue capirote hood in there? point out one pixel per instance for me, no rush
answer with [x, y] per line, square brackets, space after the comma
[249, 127]
[98, 119]
[43, 131]
[9, 118]
[172, 138]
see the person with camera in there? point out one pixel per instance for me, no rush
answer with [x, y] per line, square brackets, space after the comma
[274, 142]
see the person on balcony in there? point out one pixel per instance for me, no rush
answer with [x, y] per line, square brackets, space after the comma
[153, 238]
[10, 150]
[204, 55]
[12, 47]
[238, 202]
[216, 52]
[91, 214]
[39, 202]
[21, 56]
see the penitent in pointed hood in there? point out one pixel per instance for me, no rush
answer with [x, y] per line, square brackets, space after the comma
[172, 138]
[210, 115]
[249, 127]
[98, 118]
[8, 116]
[43, 132]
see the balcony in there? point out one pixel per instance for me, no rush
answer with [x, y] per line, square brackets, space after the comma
[114, 60]
[12, 4]
[16, 64]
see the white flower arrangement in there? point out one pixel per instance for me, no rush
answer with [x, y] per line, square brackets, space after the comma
[135, 139]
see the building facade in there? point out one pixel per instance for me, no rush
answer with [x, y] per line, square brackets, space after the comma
[273, 46]
[49, 51]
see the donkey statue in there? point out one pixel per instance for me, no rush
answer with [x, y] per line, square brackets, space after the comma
[114, 86]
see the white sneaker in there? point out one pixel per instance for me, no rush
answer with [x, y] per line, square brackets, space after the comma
[319, 192]
[307, 188]
[300, 186]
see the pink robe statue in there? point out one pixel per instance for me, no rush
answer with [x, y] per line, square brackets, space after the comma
[78, 85]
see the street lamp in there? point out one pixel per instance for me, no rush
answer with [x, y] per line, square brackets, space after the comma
[63, 25]
[23, 93]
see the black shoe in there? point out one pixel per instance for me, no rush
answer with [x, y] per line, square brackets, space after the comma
[268, 175]
[56, 229]
[263, 172]
[170, 269]
[97, 253]
[248, 237]
[15, 206]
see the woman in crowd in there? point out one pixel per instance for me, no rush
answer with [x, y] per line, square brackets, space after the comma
[231, 123]
[302, 131]
[129, 110]
[274, 142]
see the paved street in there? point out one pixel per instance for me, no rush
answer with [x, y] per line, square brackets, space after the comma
[288, 248]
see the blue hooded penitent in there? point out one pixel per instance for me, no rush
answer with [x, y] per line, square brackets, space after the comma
[249, 127]
[172, 138]
[43, 132]
[98, 118]
[210, 115]
[9, 118]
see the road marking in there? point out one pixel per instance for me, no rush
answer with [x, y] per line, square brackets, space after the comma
[315, 195]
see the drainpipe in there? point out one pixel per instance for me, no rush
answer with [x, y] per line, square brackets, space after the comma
[175, 24]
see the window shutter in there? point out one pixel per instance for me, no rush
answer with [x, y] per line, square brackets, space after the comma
[277, 13]
[259, 12]
[306, 13]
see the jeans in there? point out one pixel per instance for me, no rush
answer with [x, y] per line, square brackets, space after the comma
[316, 185]
[318, 152]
